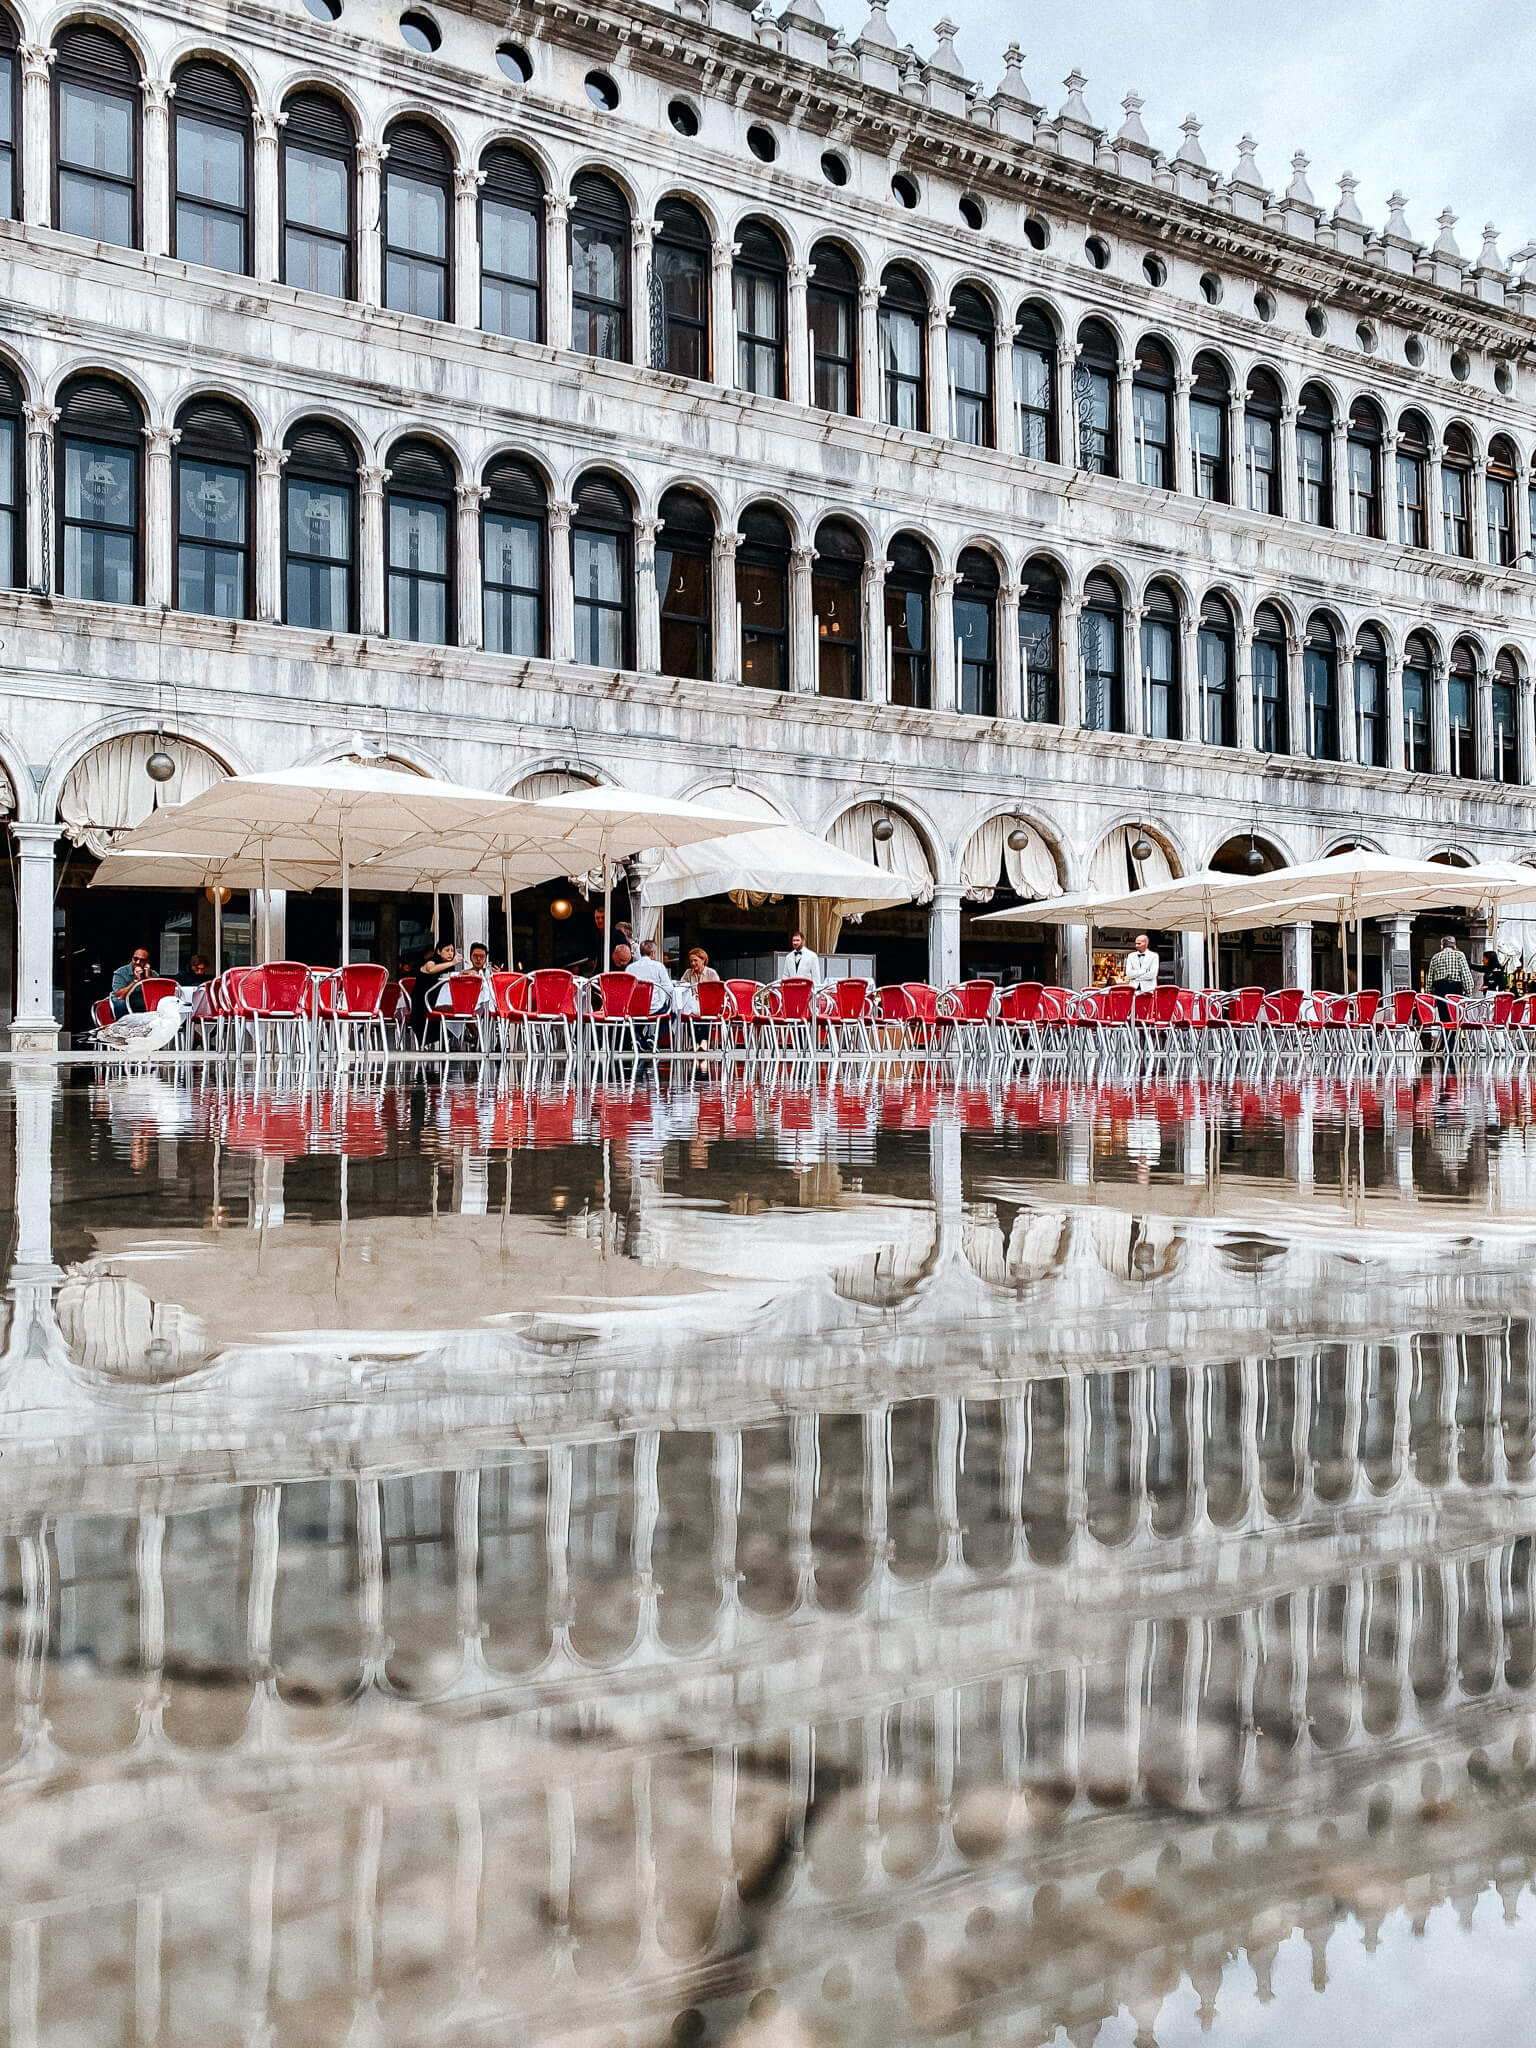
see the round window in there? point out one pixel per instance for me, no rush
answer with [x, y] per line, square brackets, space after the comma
[834, 168]
[420, 32]
[1264, 305]
[1097, 250]
[1461, 365]
[972, 212]
[1154, 270]
[1317, 321]
[904, 190]
[1365, 334]
[1504, 379]
[763, 143]
[1210, 288]
[683, 117]
[1036, 233]
[323, 10]
[602, 91]
[514, 62]
[1413, 351]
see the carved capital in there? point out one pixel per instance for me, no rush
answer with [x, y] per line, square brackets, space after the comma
[726, 544]
[869, 297]
[944, 582]
[801, 556]
[158, 93]
[266, 127]
[270, 460]
[161, 440]
[41, 419]
[799, 276]
[36, 61]
[467, 182]
[471, 496]
[373, 478]
[370, 155]
[559, 515]
[557, 209]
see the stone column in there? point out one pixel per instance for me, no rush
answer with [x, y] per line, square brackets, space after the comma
[1439, 721]
[647, 598]
[1242, 686]
[370, 570]
[1348, 737]
[1477, 508]
[370, 240]
[804, 654]
[1296, 955]
[562, 583]
[946, 683]
[1137, 708]
[34, 1028]
[1394, 712]
[939, 421]
[944, 935]
[36, 135]
[1434, 510]
[1010, 665]
[1482, 720]
[269, 532]
[1071, 664]
[1338, 460]
[641, 235]
[797, 358]
[158, 442]
[156, 179]
[1192, 959]
[1526, 729]
[870, 401]
[1078, 965]
[1066, 404]
[1296, 697]
[1285, 482]
[466, 246]
[42, 573]
[1183, 445]
[1125, 439]
[877, 680]
[266, 226]
[1397, 950]
[1190, 707]
[722, 313]
[726, 638]
[557, 270]
[470, 622]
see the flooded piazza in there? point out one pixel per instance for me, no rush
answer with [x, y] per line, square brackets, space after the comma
[769, 1564]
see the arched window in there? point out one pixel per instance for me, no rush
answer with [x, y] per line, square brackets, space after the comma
[319, 157]
[599, 269]
[418, 525]
[1034, 386]
[418, 205]
[832, 315]
[96, 136]
[1412, 467]
[837, 601]
[975, 614]
[320, 529]
[904, 348]
[1505, 731]
[602, 553]
[10, 121]
[1499, 487]
[1456, 491]
[762, 598]
[1320, 674]
[1160, 704]
[513, 546]
[758, 282]
[970, 368]
[685, 585]
[1152, 415]
[1271, 672]
[1364, 455]
[1209, 399]
[1370, 698]
[1040, 642]
[13, 491]
[511, 245]
[1261, 444]
[1216, 654]
[211, 168]
[1418, 697]
[1314, 457]
[909, 622]
[215, 501]
[1103, 695]
[680, 291]
[1093, 397]
[1461, 709]
[100, 436]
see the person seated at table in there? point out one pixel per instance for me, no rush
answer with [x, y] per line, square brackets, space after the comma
[125, 995]
[198, 969]
[800, 963]
[1141, 966]
[431, 985]
[1495, 975]
[480, 959]
[698, 968]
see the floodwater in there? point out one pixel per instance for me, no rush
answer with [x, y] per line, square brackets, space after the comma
[786, 1566]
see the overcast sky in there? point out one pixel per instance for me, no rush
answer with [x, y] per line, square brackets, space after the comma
[1424, 95]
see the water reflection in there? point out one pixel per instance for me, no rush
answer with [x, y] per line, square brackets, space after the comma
[766, 1565]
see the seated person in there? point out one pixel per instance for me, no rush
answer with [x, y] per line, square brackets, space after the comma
[125, 995]
[198, 969]
[430, 990]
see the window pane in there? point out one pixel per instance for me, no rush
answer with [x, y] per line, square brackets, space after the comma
[317, 596]
[511, 622]
[99, 482]
[1362, 487]
[212, 503]
[7, 461]
[418, 609]
[96, 129]
[416, 287]
[418, 215]
[210, 580]
[1311, 472]
[1091, 394]
[512, 551]
[510, 309]
[208, 236]
[418, 536]
[317, 190]
[7, 178]
[1259, 445]
[98, 565]
[509, 240]
[98, 211]
[319, 520]
[7, 97]
[210, 161]
[597, 566]
[901, 344]
[8, 548]
[311, 264]
[1100, 633]
[1149, 413]
[597, 263]
[1205, 433]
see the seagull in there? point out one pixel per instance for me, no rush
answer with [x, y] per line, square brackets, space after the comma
[141, 1037]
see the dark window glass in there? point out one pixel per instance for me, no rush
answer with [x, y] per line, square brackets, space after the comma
[601, 542]
[684, 586]
[762, 599]
[599, 270]
[1416, 700]
[1207, 438]
[1460, 700]
[13, 443]
[1455, 498]
[511, 231]
[1160, 678]
[419, 559]
[1100, 634]
[1040, 646]
[512, 525]
[1363, 459]
[1093, 398]
[1213, 651]
[1318, 679]
[832, 313]
[1034, 389]
[1152, 417]
[100, 431]
[680, 288]
[1506, 741]
[1370, 710]
[836, 600]
[1269, 695]
[214, 497]
[909, 624]
[98, 151]
[1412, 519]
[903, 345]
[758, 289]
[317, 197]
[319, 529]
[211, 156]
[975, 617]
[970, 369]
[1313, 483]
[1501, 520]
[9, 81]
[418, 178]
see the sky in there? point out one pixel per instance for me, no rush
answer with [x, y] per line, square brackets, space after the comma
[1422, 95]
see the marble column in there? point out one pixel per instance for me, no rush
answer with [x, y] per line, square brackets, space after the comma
[269, 532]
[1010, 665]
[557, 271]
[798, 338]
[1125, 441]
[877, 680]
[1482, 722]
[1477, 508]
[466, 246]
[370, 252]
[1192, 959]
[870, 406]
[1066, 404]
[1338, 459]
[34, 1028]
[641, 235]
[1439, 720]
[946, 683]
[1434, 509]
[1296, 695]
[1394, 714]
[726, 638]
[266, 230]
[939, 421]
[944, 934]
[1397, 950]
[722, 312]
[35, 1093]
[1296, 955]
[158, 573]
[470, 620]
[1285, 482]
[36, 135]
[562, 588]
[42, 574]
[1181, 431]
[1525, 712]
[1190, 707]
[804, 654]
[647, 598]
[1071, 664]
[1349, 738]
[372, 619]
[156, 181]
[1242, 686]
[1079, 966]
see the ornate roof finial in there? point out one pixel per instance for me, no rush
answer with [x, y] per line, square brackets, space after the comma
[1075, 107]
[1299, 192]
[1248, 172]
[1190, 151]
[877, 30]
[1489, 258]
[1445, 241]
[1012, 86]
[1397, 228]
[1131, 129]
[1347, 208]
[945, 57]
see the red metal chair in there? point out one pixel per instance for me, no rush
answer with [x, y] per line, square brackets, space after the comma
[788, 1006]
[620, 1003]
[747, 1022]
[965, 1019]
[712, 1018]
[462, 1012]
[554, 1006]
[511, 995]
[848, 1017]
[352, 1002]
[925, 1014]
[895, 1014]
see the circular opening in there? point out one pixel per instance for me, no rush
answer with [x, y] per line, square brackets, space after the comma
[1264, 305]
[1365, 334]
[1461, 365]
[1210, 288]
[1036, 233]
[1413, 349]
[1098, 252]
[972, 212]
[1154, 270]
[683, 117]
[602, 91]
[1317, 321]
[420, 32]
[763, 143]
[1504, 380]
[834, 168]
[514, 62]
[904, 190]
[323, 10]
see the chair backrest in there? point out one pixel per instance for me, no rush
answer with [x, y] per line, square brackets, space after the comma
[358, 991]
[793, 999]
[851, 1000]
[616, 995]
[1022, 1003]
[713, 998]
[250, 990]
[509, 994]
[101, 1012]
[285, 989]
[744, 995]
[894, 1005]
[1367, 1001]
[553, 993]
[925, 1001]
[152, 991]
[465, 994]
[1283, 1005]
[975, 1000]
[1115, 1004]
[1245, 1005]
[394, 1000]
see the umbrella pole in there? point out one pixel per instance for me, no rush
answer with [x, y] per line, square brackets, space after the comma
[218, 930]
[346, 904]
[434, 916]
[266, 901]
[607, 915]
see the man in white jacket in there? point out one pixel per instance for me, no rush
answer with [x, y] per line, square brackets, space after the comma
[800, 961]
[1142, 966]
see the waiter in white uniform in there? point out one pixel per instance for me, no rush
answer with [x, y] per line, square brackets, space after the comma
[800, 962]
[1142, 966]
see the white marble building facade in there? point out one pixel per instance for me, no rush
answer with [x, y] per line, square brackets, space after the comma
[1156, 499]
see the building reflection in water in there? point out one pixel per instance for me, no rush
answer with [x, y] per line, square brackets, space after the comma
[709, 1567]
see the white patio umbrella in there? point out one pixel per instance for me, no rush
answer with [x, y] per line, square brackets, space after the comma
[775, 860]
[217, 872]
